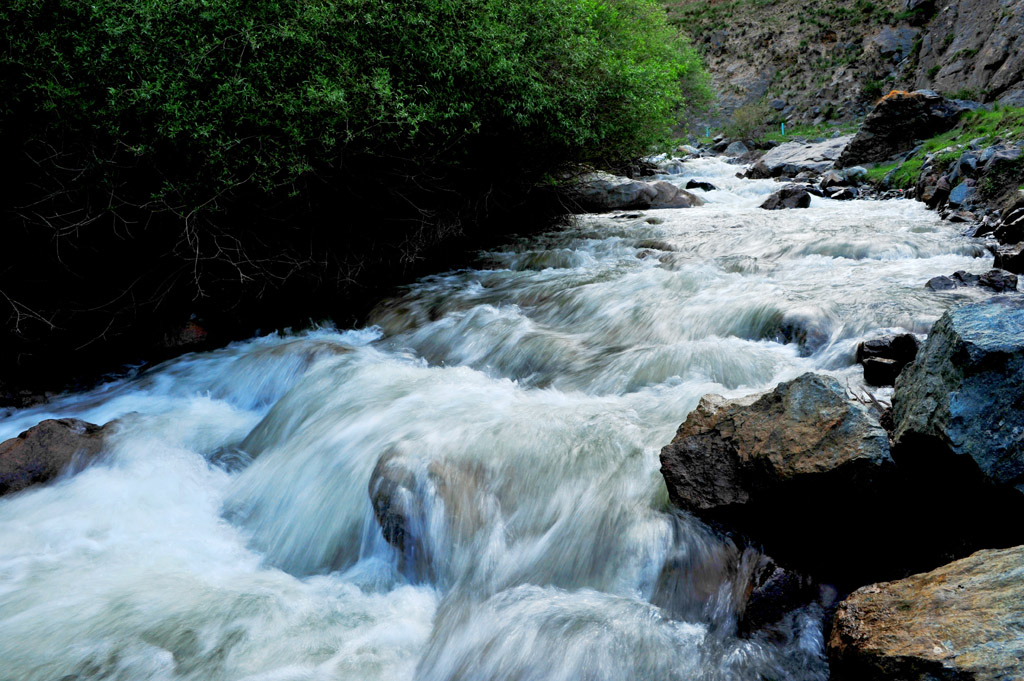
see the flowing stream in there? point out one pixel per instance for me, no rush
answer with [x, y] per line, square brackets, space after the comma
[512, 413]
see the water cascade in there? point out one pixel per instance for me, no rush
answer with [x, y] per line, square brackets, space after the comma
[502, 423]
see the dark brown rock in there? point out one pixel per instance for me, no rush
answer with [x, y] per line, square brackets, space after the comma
[42, 452]
[896, 122]
[1011, 258]
[729, 453]
[790, 196]
[879, 371]
[960, 622]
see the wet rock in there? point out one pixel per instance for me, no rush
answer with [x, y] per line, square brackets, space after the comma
[44, 451]
[937, 194]
[832, 179]
[1011, 221]
[941, 283]
[961, 216]
[599, 192]
[189, 335]
[879, 371]
[961, 621]
[960, 404]
[884, 358]
[736, 149]
[896, 122]
[790, 196]
[729, 453]
[703, 186]
[996, 280]
[774, 592]
[844, 194]
[1010, 258]
[793, 158]
[999, 281]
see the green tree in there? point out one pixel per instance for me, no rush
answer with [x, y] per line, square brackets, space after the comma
[215, 150]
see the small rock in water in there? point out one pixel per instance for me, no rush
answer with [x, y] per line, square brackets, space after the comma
[884, 358]
[704, 186]
[790, 196]
[996, 280]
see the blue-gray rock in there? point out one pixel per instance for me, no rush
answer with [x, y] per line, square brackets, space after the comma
[1013, 98]
[736, 149]
[962, 399]
[1000, 156]
[961, 194]
[777, 104]
[968, 163]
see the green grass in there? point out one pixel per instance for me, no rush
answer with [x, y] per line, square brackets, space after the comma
[809, 131]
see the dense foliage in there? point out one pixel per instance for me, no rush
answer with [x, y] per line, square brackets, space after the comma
[204, 149]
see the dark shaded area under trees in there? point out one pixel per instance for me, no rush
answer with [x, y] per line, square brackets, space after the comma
[257, 164]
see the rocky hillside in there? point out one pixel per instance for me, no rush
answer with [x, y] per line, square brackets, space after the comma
[831, 59]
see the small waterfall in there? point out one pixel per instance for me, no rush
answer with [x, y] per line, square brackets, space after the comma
[468, 488]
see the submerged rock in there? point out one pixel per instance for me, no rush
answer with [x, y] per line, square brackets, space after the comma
[961, 403]
[46, 450]
[603, 192]
[790, 196]
[421, 505]
[961, 621]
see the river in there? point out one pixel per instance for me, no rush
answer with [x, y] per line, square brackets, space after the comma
[228, 532]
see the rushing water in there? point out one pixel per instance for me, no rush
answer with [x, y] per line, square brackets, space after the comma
[228, 532]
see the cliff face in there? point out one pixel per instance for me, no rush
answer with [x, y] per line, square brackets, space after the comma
[831, 59]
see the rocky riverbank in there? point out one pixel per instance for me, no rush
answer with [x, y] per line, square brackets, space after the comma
[807, 474]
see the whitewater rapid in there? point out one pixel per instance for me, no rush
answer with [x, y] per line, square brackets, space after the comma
[228, 531]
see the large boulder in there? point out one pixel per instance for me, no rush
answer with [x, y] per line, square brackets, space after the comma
[790, 196]
[46, 450]
[737, 148]
[732, 453]
[962, 621]
[599, 192]
[896, 122]
[792, 158]
[961, 403]
[754, 466]
[804, 474]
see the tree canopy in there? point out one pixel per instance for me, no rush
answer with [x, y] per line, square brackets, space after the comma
[204, 148]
